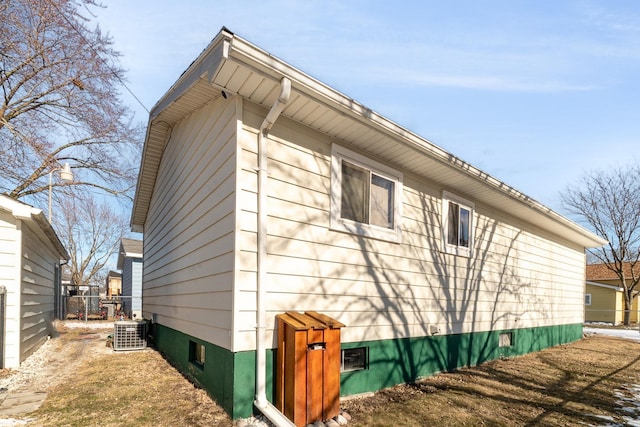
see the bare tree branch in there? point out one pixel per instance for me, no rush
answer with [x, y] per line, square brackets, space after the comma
[609, 203]
[93, 232]
[59, 86]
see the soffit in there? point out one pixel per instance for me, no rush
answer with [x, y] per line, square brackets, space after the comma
[243, 69]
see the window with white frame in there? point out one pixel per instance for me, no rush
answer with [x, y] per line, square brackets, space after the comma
[457, 224]
[365, 196]
[353, 359]
[587, 299]
[505, 339]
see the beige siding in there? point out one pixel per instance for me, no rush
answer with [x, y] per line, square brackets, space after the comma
[38, 265]
[27, 264]
[518, 277]
[10, 239]
[189, 239]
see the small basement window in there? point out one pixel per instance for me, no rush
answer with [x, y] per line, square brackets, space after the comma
[506, 339]
[196, 353]
[587, 299]
[353, 359]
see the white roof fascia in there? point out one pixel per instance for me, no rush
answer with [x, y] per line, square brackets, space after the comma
[306, 84]
[227, 46]
[207, 63]
[25, 212]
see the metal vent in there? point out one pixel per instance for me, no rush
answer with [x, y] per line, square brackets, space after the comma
[130, 335]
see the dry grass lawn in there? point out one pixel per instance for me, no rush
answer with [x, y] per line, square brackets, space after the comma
[109, 389]
[566, 385]
[576, 384]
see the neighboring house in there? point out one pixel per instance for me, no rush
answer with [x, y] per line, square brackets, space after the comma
[62, 294]
[113, 284]
[111, 304]
[604, 296]
[262, 190]
[30, 256]
[130, 263]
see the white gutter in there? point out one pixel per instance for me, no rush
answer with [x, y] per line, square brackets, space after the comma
[602, 285]
[261, 402]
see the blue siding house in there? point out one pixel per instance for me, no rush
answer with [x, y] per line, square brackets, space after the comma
[130, 263]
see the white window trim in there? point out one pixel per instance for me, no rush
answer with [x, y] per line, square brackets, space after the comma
[587, 299]
[339, 153]
[505, 339]
[455, 249]
[365, 361]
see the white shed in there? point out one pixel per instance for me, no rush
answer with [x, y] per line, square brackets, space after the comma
[263, 190]
[29, 278]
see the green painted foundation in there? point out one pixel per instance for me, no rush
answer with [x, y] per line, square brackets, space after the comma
[399, 361]
[229, 378]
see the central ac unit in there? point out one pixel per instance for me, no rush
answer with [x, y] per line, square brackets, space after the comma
[130, 335]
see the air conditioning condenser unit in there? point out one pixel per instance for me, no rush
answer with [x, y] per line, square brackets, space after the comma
[130, 335]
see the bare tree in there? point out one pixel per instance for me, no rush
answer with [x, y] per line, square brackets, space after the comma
[59, 82]
[93, 232]
[609, 203]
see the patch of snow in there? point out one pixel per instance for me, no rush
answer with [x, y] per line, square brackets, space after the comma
[630, 405]
[605, 417]
[78, 324]
[11, 422]
[631, 334]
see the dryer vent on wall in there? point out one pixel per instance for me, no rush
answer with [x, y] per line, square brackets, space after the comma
[130, 335]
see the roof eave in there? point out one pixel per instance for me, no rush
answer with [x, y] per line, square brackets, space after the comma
[26, 212]
[229, 47]
[207, 64]
[244, 52]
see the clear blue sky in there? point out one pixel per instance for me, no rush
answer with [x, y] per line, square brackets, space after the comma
[534, 92]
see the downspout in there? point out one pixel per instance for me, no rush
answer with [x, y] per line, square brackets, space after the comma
[261, 401]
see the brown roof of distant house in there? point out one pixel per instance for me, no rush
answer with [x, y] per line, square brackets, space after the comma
[602, 272]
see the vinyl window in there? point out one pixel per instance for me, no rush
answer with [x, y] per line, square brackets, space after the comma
[506, 339]
[365, 196]
[457, 225]
[197, 353]
[353, 359]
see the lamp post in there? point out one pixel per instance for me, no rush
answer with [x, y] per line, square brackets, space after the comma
[65, 174]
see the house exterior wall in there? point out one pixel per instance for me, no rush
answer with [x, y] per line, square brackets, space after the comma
[127, 288]
[517, 277]
[136, 286]
[37, 301]
[10, 261]
[132, 285]
[200, 241]
[114, 286]
[189, 231]
[26, 271]
[607, 304]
